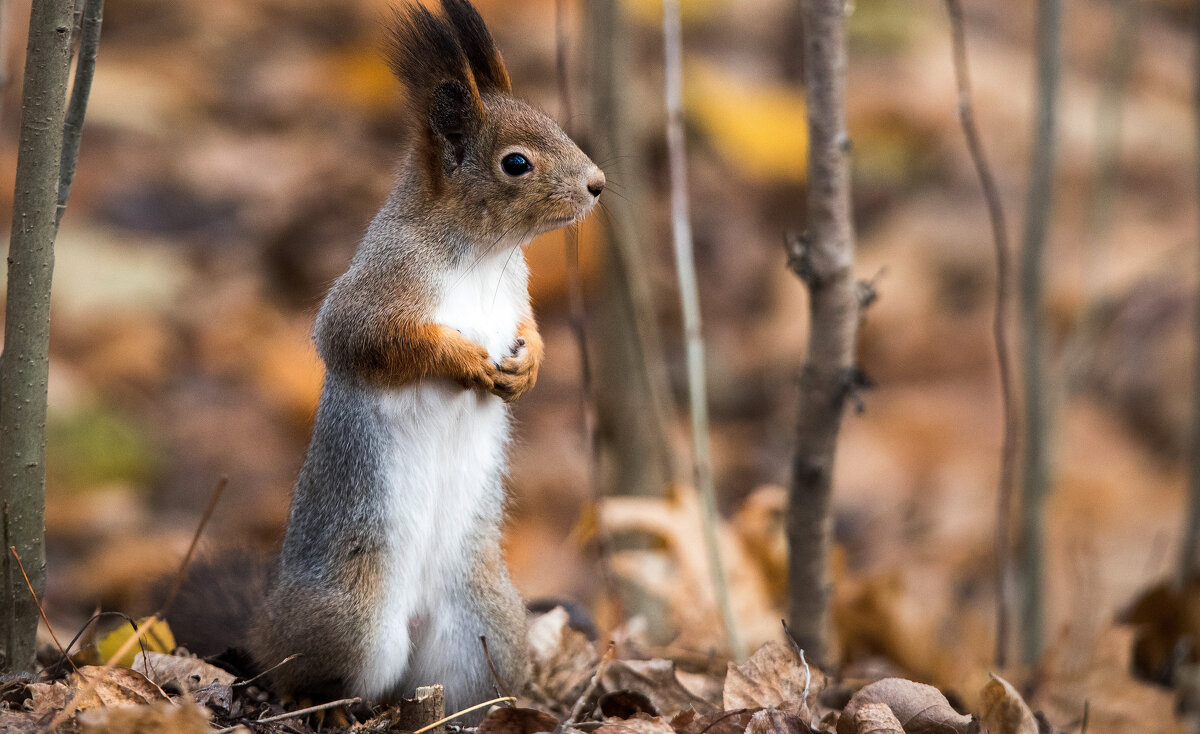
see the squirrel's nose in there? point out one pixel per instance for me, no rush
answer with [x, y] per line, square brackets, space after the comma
[595, 183]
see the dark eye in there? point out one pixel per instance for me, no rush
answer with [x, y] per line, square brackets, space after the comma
[515, 164]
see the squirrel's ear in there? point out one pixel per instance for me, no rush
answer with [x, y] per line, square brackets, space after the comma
[455, 117]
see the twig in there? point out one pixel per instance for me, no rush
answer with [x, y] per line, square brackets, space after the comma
[500, 687]
[1000, 336]
[271, 669]
[85, 70]
[722, 717]
[295, 714]
[181, 574]
[467, 710]
[1036, 473]
[689, 296]
[13, 549]
[577, 710]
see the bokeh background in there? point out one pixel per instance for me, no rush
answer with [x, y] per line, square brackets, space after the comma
[236, 149]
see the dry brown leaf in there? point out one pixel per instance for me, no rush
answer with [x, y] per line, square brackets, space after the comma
[777, 721]
[176, 672]
[1003, 709]
[98, 686]
[773, 676]
[655, 678]
[640, 724]
[561, 659]
[184, 718]
[20, 722]
[721, 722]
[46, 697]
[919, 708]
[517, 721]
[876, 718]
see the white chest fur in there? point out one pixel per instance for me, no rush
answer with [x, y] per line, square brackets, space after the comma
[447, 456]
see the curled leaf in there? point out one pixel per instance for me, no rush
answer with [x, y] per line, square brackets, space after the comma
[773, 676]
[1003, 709]
[656, 679]
[919, 708]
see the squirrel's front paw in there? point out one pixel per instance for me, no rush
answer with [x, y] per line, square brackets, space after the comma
[517, 374]
[478, 371]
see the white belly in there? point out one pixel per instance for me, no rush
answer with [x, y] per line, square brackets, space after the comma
[447, 456]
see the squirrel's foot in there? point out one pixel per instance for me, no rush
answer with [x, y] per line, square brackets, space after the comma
[517, 374]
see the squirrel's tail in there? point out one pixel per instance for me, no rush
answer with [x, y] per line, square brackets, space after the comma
[218, 602]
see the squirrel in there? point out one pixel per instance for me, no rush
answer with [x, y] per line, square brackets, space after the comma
[391, 568]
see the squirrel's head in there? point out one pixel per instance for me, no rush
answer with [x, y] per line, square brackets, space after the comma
[506, 170]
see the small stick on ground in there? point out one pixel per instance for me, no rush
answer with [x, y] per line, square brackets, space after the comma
[455, 715]
[181, 574]
[577, 710]
[13, 549]
[295, 714]
[500, 687]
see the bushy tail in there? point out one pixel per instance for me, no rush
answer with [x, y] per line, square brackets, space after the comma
[218, 602]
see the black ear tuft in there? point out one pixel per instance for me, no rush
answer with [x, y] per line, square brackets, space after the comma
[482, 54]
[455, 118]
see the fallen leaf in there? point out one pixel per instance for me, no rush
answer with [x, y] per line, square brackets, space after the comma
[179, 673]
[503, 720]
[183, 718]
[720, 722]
[1003, 709]
[561, 659]
[99, 686]
[215, 696]
[640, 724]
[876, 718]
[157, 639]
[656, 679]
[777, 721]
[46, 697]
[919, 708]
[773, 677]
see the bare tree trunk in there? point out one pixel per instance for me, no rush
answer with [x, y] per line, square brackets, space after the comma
[1189, 556]
[1000, 336]
[824, 260]
[1036, 474]
[689, 296]
[24, 364]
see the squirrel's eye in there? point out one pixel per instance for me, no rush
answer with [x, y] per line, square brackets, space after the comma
[515, 164]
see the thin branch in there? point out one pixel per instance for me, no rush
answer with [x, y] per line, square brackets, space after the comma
[689, 296]
[296, 714]
[1036, 474]
[181, 574]
[268, 671]
[42, 611]
[1000, 336]
[500, 687]
[81, 88]
[1189, 557]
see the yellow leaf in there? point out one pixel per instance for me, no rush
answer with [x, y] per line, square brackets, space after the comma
[157, 639]
[759, 127]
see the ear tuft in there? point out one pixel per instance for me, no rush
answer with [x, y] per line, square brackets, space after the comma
[486, 63]
[455, 117]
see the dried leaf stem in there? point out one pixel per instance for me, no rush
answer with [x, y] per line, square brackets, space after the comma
[469, 709]
[181, 574]
[41, 610]
[1000, 336]
[689, 296]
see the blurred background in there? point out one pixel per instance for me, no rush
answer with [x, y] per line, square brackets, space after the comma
[235, 151]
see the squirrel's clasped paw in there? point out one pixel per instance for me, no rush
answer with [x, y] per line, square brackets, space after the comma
[516, 375]
[479, 371]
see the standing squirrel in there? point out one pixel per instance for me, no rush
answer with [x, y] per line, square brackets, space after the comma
[391, 567]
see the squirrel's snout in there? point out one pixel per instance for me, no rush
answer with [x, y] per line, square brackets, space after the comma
[595, 183]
